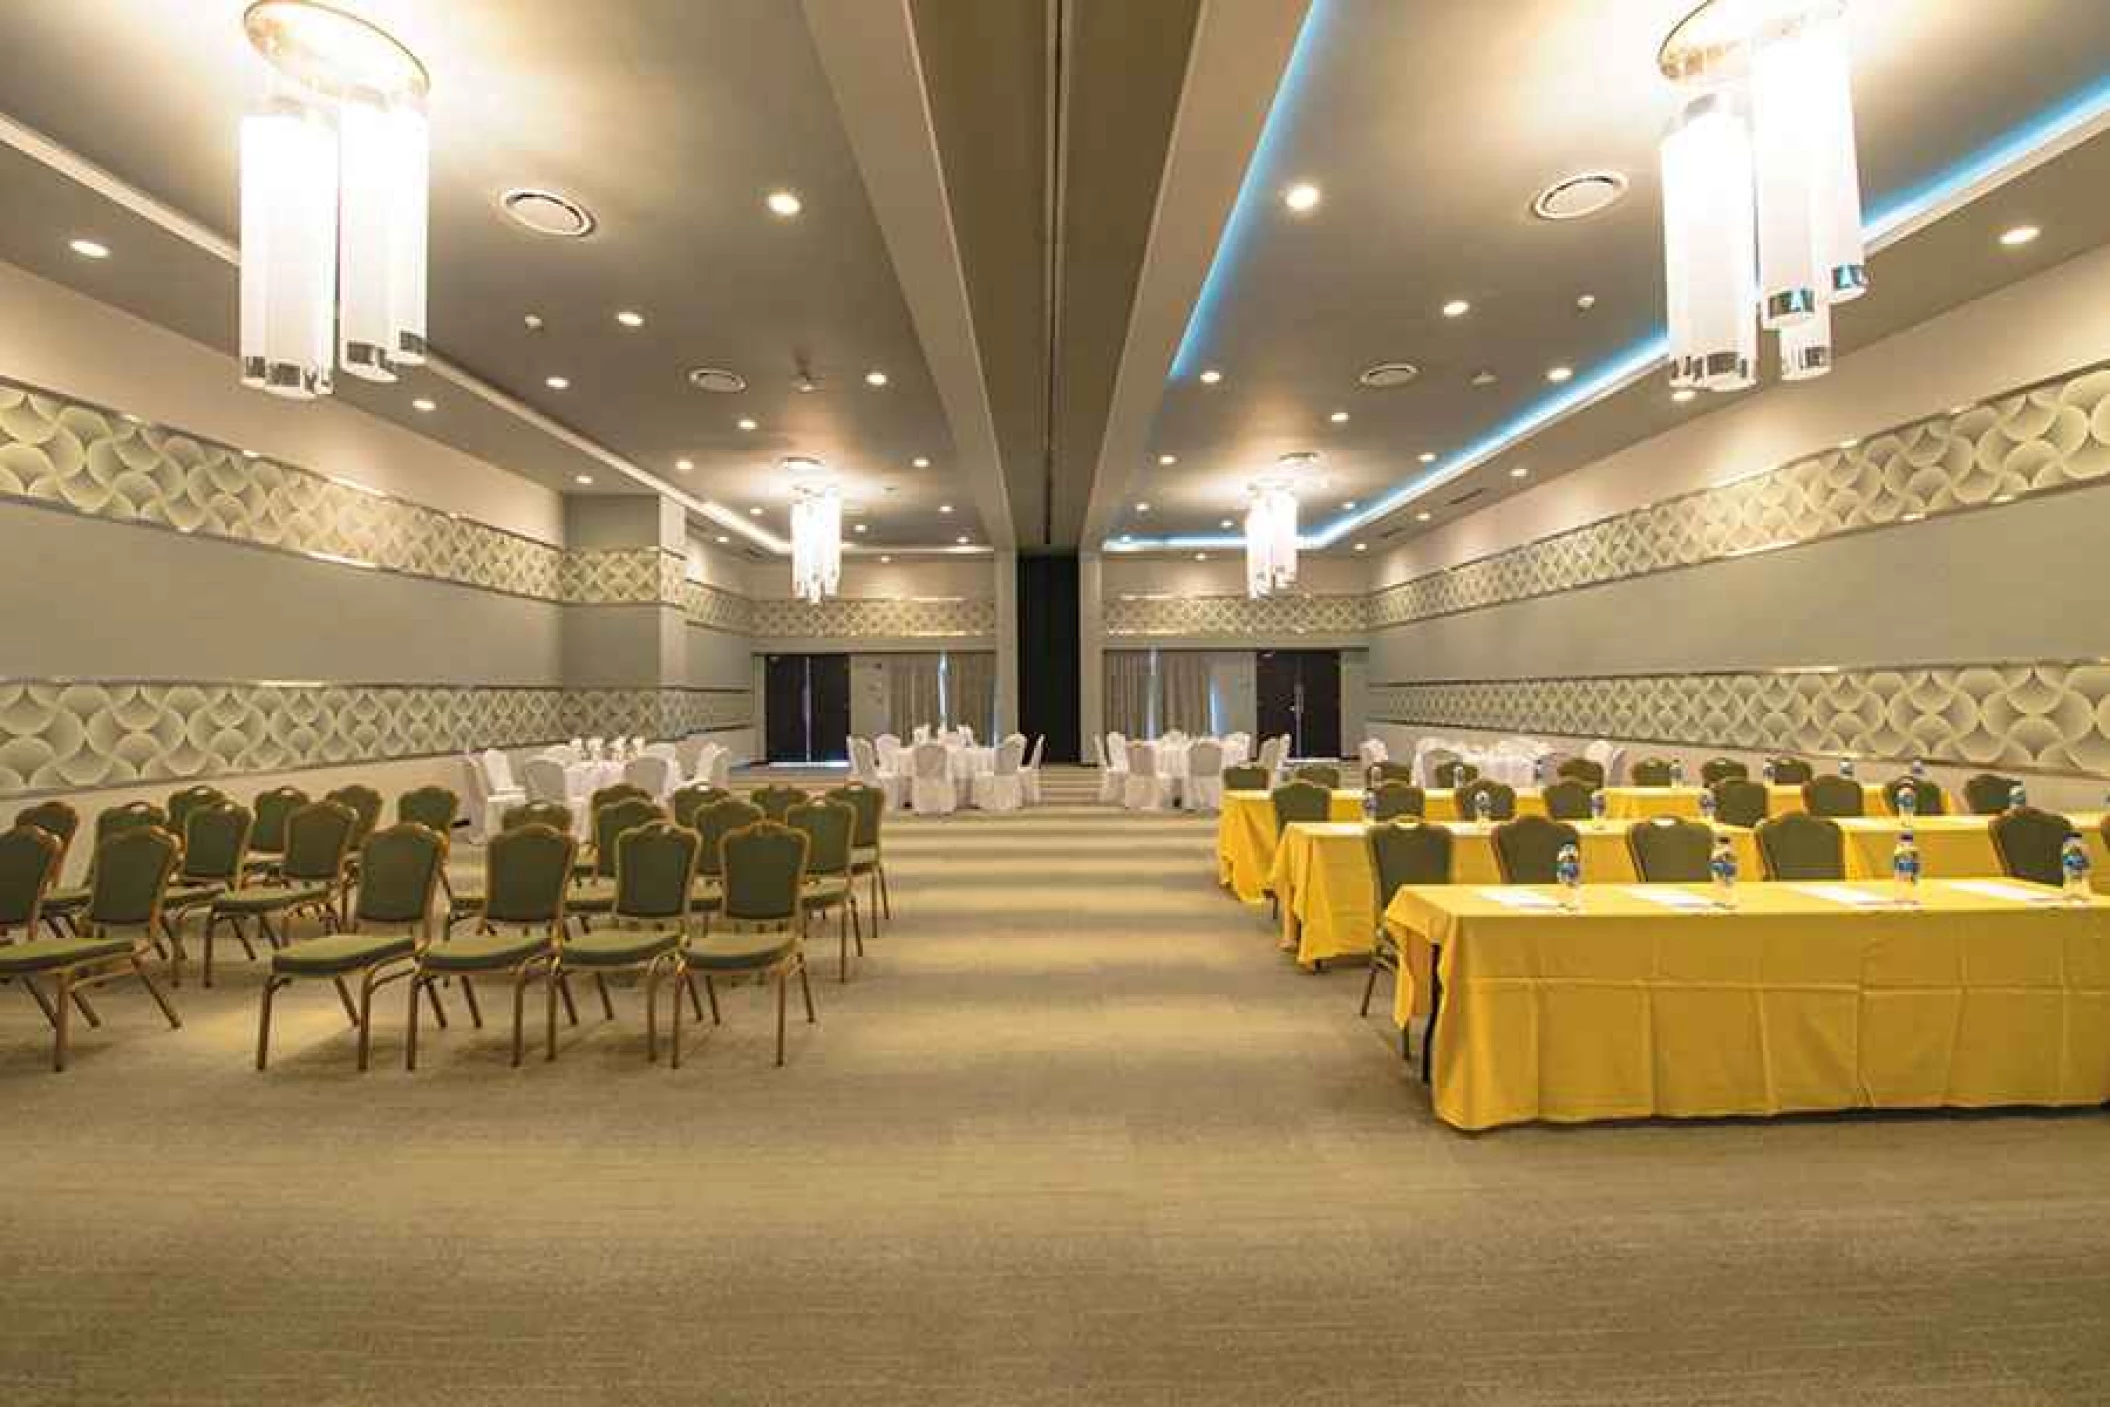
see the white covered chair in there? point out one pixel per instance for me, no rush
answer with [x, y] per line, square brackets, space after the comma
[1144, 789]
[868, 767]
[1113, 780]
[652, 772]
[886, 745]
[930, 780]
[486, 809]
[1372, 751]
[543, 780]
[1029, 775]
[920, 734]
[966, 735]
[1205, 776]
[1000, 788]
[1271, 756]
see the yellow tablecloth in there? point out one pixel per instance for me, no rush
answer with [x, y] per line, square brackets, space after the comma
[1328, 893]
[1792, 1002]
[1441, 803]
[1780, 799]
[1641, 803]
[1245, 838]
[1951, 847]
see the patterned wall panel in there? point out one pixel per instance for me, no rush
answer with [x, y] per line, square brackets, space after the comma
[2050, 436]
[1236, 617]
[69, 735]
[616, 576]
[874, 618]
[2049, 716]
[715, 608]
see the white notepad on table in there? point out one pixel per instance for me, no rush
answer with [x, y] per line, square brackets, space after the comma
[1512, 898]
[1671, 898]
[1852, 898]
[2001, 889]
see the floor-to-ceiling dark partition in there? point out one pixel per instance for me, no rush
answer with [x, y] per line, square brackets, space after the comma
[1298, 692]
[1047, 652]
[806, 708]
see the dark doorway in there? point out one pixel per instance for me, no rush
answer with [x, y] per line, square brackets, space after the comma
[1298, 692]
[1047, 654]
[806, 708]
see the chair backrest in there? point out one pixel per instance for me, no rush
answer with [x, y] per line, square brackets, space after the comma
[1926, 795]
[688, 754]
[318, 838]
[869, 802]
[365, 805]
[777, 799]
[2029, 843]
[1501, 799]
[1454, 772]
[56, 819]
[651, 773]
[542, 778]
[1300, 800]
[928, 759]
[765, 871]
[29, 862]
[831, 829]
[498, 770]
[1651, 772]
[1384, 772]
[525, 873]
[1205, 759]
[655, 865]
[864, 759]
[1800, 846]
[1833, 796]
[1010, 755]
[886, 745]
[1739, 801]
[1246, 778]
[216, 842]
[609, 824]
[554, 814]
[133, 815]
[715, 822]
[1790, 771]
[619, 791]
[1721, 769]
[1668, 850]
[1988, 793]
[691, 799]
[434, 808]
[1321, 774]
[1582, 769]
[1040, 743]
[1568, 799]
[190, 799]
[132, 873]
[1412, 853]
[273, 809]
[399, 869]
[1142, 760]
[1527, 849]
[1371, 751]
[1391, 800]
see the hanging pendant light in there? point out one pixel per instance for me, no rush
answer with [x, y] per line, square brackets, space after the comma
[289, 240]
[1271, 527]
[816, 531]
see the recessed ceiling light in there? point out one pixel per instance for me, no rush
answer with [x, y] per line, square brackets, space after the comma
[1848, 444]
[1128, 537]
[582, 478]
[1585, 301]
[1301, 197]
[723, 539]
[1423, 516]
[1683, 394]
[684, 465]
[783, 204]
[920, 462]
[1142, 507]
[754, 512]
[547, 213]
[89, 248]
[531, 321]
[1211, 377]
[556, 383]
[961, 540]
[945, 508]
[424, 404]
[1484, 377]
[858, 528]
[1339, 417]
[1168, 459]
[1457, 308]
[630, 319]
[746, 422]
[1559, 374]
[1362, 547]
[1226, 523]
[2014, 238]
[1386, 375]
[1579, 196]
[1201, 556]
[1349, 506]
[875, 377]
[1428, 456]
[248, 454]
[884, 558]
[1520, 472]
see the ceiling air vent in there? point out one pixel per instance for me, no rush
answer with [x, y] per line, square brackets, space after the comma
[1579, 197]
[547, 213]
[1386, 375]
[717, 381]
[1466, 497]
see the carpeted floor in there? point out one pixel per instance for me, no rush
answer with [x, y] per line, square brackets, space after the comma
[1075, 1133]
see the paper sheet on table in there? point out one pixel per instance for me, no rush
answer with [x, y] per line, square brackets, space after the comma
[1671, 898]
[1852, 898]
[1511, 898]
[2001, 889]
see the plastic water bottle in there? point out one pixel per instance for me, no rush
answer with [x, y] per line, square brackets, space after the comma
[1707, 805]
[1905, 867]
[1597, 803]
[1483, 807]
[1538, 771]
[2074, 864]
[1908, 800]
[2017, 797]
[1723, 868]
[1677, 771]
[1567, 869]
[1767, 771]
[1919, 768]
[1369, 806]
[1846, 768]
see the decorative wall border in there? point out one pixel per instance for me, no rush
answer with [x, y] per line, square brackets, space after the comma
[1233, 617]
[874, 618]
[2048, 436]
[65, 735]
[2046, 716]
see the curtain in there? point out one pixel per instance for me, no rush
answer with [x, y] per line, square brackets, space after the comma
[1183, 692]
[911, 693]
[970, 692]
[1127, 674]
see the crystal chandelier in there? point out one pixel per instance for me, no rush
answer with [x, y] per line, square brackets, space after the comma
[816, 532]
[1271, 529]
[1761, 189]
[334, 165]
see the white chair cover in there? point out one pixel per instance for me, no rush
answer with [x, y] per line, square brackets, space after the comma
[864, 761]
[921, 734]
[498, 771]
[652, 772]
[1113, 781]
[1205, 776]
[1000, 789]
[966, 735]
[486, 809]
[887, 745]
[1145, 789]
[1029, 775]
[543, 780]
[930, 781]
[1372, 751]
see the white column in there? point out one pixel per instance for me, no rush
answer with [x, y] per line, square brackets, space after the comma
[1091, 651]
[1006, 643]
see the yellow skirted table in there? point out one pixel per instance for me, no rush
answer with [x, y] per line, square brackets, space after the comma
[1245, 838]
[1642, 803]
[1951, 847]
[1328, 891]
[1987, 993]
[1875, 801]
[1441, 804]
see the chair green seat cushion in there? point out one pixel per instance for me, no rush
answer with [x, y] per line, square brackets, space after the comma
[826, 889]
[49, 954]
[595, 896]
[740, 952]
[484, 952]
[619, 947]
[863, 857]
[190, 895]
[270, 898]
[341, 952]
[65, 898]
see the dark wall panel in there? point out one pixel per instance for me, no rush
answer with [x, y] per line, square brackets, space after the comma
[1047, 653]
